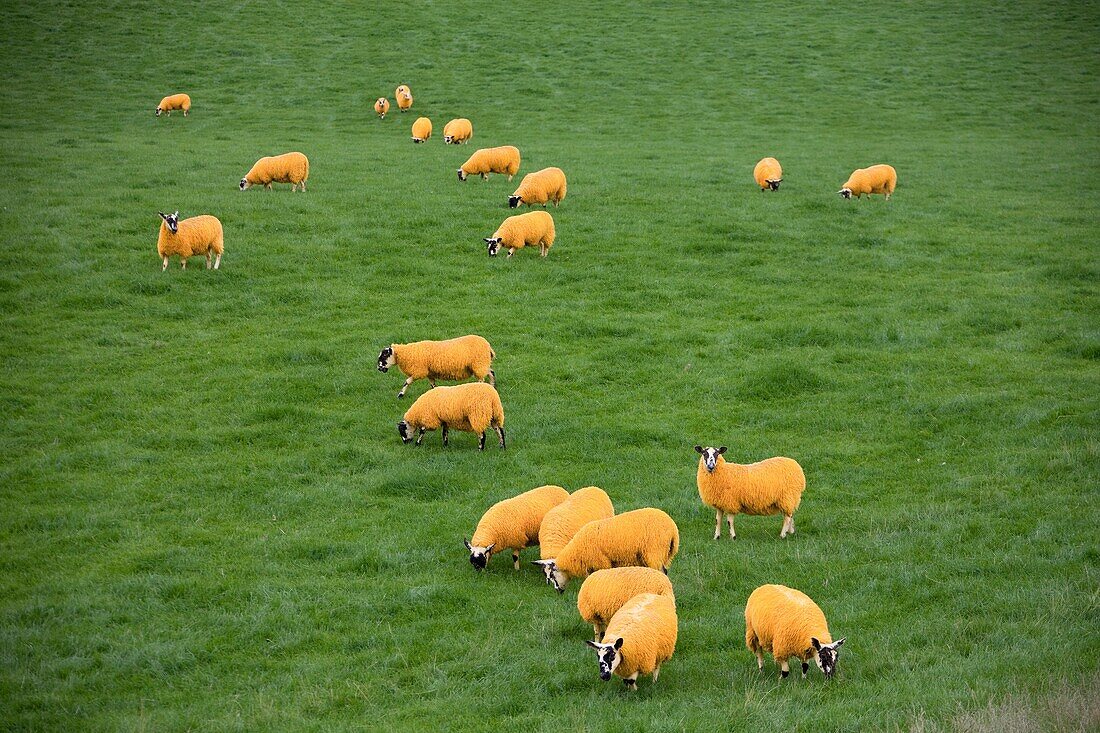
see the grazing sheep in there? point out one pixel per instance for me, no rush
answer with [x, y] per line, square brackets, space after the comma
[875, 179]
[458, 131]
[422, 129]
[562, 522]
[768, 174]
[787, 623]
[768, 487]
[516, 232]
[472, 408]
[453, 359]
[644, 537]
[504, 160]
[381, 107]
[292, 168]
[199, 235]
[640, 638]
[174, 101]
[539, 187]
[604, 592]
[512, 524]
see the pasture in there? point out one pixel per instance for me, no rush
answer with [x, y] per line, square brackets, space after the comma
[208, 521]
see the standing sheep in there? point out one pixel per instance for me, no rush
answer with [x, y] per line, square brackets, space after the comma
[768, 487]
[562, 522]
[787, 623]
[640, 638]
[404, 97]
[292, 168]
[604, 592]
[539, 187]
[516, 232]
[875, 179]
[512, 524]
[504, 160]
[199, 235]
[768, 174]
[422, 129]
[644, 537]
[381, 107]
[458, 131]
[453, 359]
[472, 408]
[174, 101]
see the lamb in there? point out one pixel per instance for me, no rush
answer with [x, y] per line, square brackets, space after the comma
[458, 131]
[174, 101]
[516, 232]
[640, 638]
[768, 487]
[787, 623]
[604, 592]
[422, 129]
[539, 187]
[381, 107]
[292, 168]
[875, 179]
[472, 408]
[503, 160]
[199, 235]
[404, 98]
[768, 174]
[453, 359]
[644, 537]
[512, 524]
[562, 522]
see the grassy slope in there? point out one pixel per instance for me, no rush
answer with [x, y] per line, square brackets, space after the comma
[207, 520]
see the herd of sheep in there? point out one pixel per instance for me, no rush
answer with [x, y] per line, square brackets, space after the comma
[627, 596]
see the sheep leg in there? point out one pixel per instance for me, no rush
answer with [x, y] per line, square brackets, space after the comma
[597, 631]
[786, 668]
[492, 378]
[759, 660]
[515, 559]
[444, 428]
[402, 392]
[805, 668]
[729, 519]
[303, 185]
[788, 526]
[717, 524]
[165, 267]
[419, 436]
[631, 682]
[481, 441]
[511, 252]
[484, 177]
[500, 432]
[544, 249]
[431, 382]
[183, 263]
[218, 261]
[208, 264]
[656, 673]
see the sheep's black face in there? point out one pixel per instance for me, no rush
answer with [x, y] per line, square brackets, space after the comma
[608, 656]
[846, 193]
[384, 359]
[157, 113]
[774, 185]
[403, 431]
[461, 175]
[710, 455]
[493, 246]
[514, 201]
[827, 655]
[172, 221]
[244, 183]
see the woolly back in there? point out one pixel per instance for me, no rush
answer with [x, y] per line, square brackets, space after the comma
[791, 614]
[468, 400]
[647, 624]
[563, 521]
[622, 535]
[613, 587]
[523, 513]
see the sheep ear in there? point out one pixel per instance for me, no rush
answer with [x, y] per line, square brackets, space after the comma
[592, 644]
[488, 240]
[490, 547]
[722, 450]
[816, 644]
[467, 543]
[698, 449]
[838, 644]
[542, 563]
[176, 213]
[162, 214]
[619, 643]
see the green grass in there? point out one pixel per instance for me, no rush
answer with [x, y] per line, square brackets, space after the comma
[207, 519]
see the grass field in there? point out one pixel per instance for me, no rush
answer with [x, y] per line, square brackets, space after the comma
[208, 522]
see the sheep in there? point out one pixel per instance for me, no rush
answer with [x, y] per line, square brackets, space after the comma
[292, 168]
[381, 107]
[875, 179]
[768, 174]
[604, 592]
[768, 487]
[174, 101]
[404, 98]
[199, 235]
[453, 359]
[516, 232]
[512, 524]
[640, 638]
[787, 623]
[402, 89]
[472, 408]
[422, 129]
[539, 187]
[562, 522]
[644, 537]
[503, 160]
[458, 131]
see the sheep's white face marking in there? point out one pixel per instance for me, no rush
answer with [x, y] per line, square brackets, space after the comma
[826, 655]
[710, 455]
[479, 556]
[447, 139]
[845, 192]
[493, 243]
[245, 184]
[159, 110]
[554, 576]
[608, 656]
[386, 359]
[461, 175]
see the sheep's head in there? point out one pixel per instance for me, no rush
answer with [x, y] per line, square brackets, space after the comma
[514, 201]
[159, 110]
[845, 192]
[493, 244]
[172, 221]
[403, 431]
[461, 175]
[245, 184]
[773, 184]
[554, 576]
[826, 655]
[710, 455]
[386, 359]
[608, 655]
[479, 556]
[448, 139]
